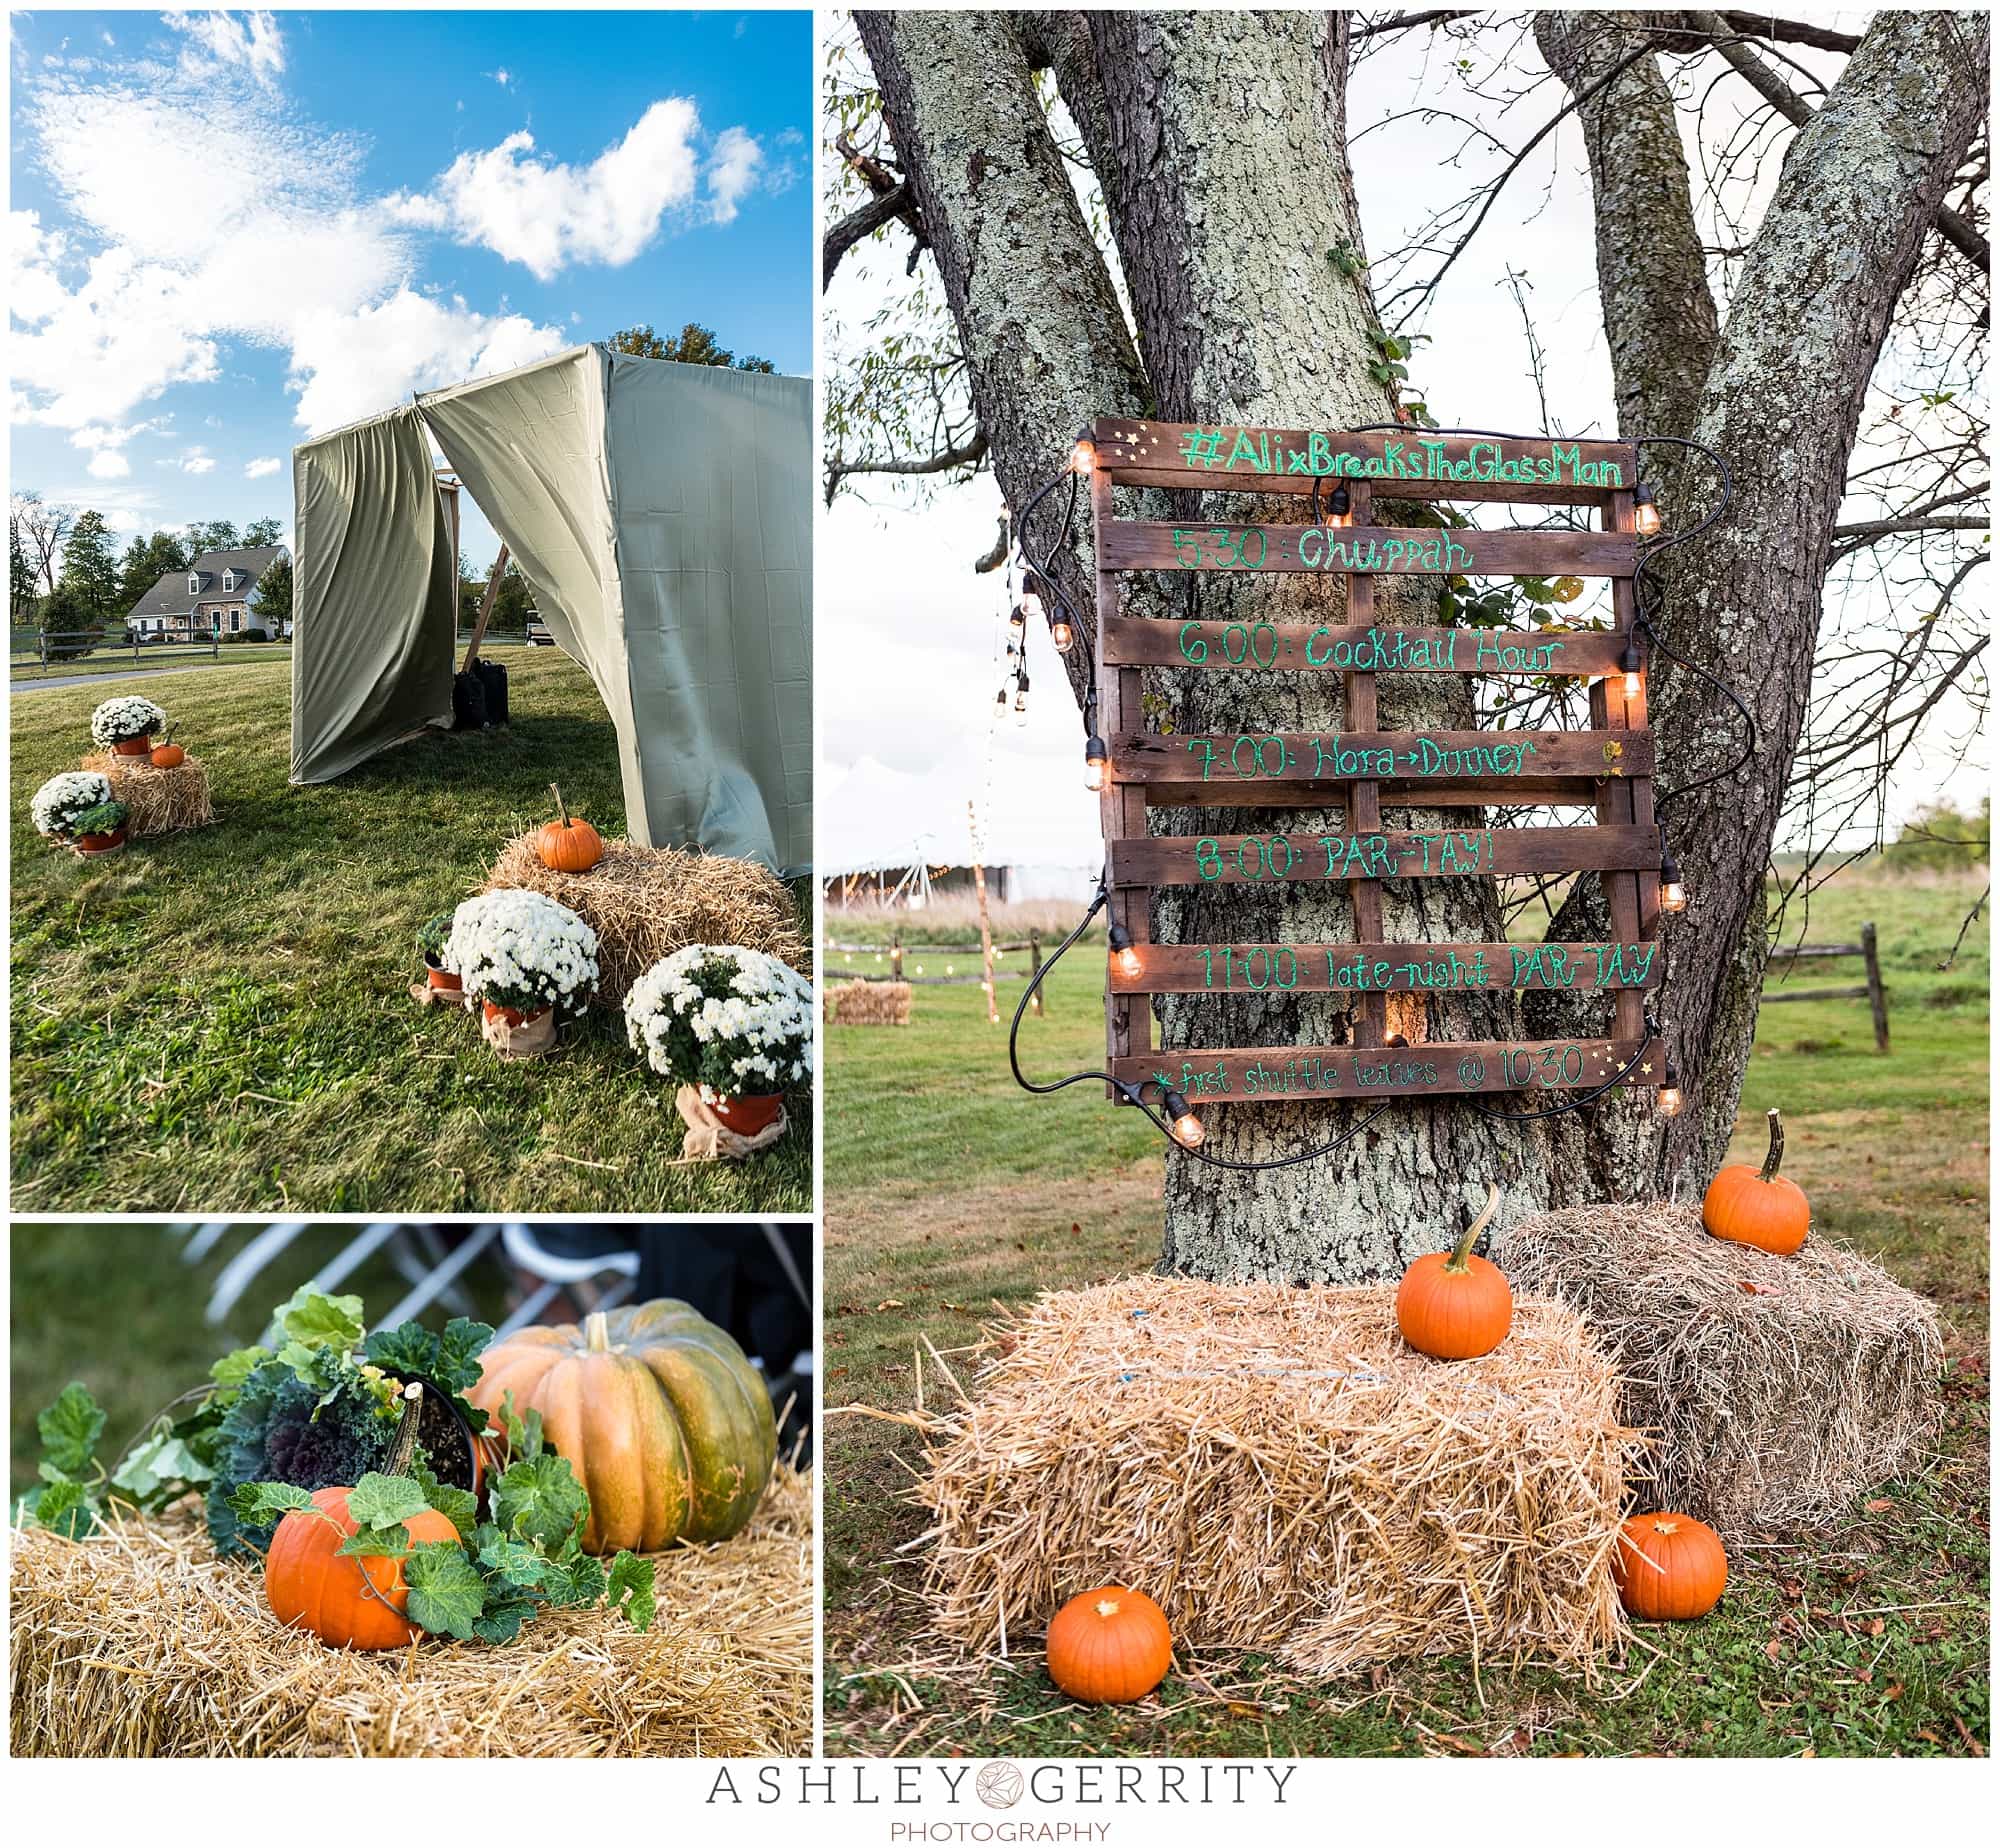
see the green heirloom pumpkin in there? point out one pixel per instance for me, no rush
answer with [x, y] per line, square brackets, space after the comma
[665, 1422]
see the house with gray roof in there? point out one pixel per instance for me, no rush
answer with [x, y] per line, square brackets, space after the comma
[216, 592]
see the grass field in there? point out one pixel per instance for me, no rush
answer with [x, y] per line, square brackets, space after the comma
[109, 661]
[218, 1021]
[948, 1190]
[70, 1283]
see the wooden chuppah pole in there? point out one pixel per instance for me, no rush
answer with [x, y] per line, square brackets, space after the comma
[485, 610]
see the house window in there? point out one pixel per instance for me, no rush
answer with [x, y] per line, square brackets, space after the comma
[228, 582]
[235, 621]
[194, 583]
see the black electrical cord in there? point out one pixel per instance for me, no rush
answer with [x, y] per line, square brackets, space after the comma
[1135, 1094]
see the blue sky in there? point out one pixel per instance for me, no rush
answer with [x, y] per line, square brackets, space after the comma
[230, 230]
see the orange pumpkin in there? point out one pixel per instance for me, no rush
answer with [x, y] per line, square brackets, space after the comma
[1110, 1644]
[1452, 1305]
[569, 845]
[351, 1603]
[168, 757]
[1758, 1206]
[1669, 1567]
[662, 1417]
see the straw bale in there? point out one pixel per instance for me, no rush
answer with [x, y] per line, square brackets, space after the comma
[1778, 1388]
[140, 1642]
[647, 902]
[1283, 1474]
[161, 801]
[868, 1004]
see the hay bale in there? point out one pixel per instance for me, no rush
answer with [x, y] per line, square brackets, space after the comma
[868, 1004]
[1282, 1473]
[140, 1642]
[647, 902]
[161, 801]
[1774, 1403]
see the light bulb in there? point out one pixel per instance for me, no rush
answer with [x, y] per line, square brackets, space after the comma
[1031, 602]
[1673, 894]
[1633, 665]
[1017, 623]
[1000, 700]
[1670, 1099]
[1340, 509]
[1186, 1126]
[1021, 700]
[1645, 512]
[1096, 761]
[1062, 635]
[1124, 956]
[1083, 454]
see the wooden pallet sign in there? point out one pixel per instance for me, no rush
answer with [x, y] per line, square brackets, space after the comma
[1362, 770]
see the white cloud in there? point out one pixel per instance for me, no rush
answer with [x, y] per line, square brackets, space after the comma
[260, 466]
[546, 214]
[251, 41]
[733, 167]
[349, 365]
[194, 461]
[500, 76]
[108, 465]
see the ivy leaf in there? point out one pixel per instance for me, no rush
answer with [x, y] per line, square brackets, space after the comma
[70, 1429]
[574, 1581]
[311, 1320]
[629, 1588]
[458, 1506]
[501, 1620]
[539, 1499]
[385, 1501]
[447, 1594]
[459, 1349]
[159, 1463]
[524, 1434]
[391, 1542]
[234, 1368]
[63, 1508]
[258, 1504]
[516, 1562]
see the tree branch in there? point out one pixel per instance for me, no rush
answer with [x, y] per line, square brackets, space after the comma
[893, 200]
[1956, 229]
[961, 455]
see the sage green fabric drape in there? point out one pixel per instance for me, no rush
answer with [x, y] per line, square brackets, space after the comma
[375, 610]
[663, 514]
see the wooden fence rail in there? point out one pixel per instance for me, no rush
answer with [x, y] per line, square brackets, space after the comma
[896, 949]
[1877, 995]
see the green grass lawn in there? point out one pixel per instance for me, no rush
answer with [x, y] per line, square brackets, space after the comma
[108, 661]
[218, 1020]
[948, 1190]
[115, 1307]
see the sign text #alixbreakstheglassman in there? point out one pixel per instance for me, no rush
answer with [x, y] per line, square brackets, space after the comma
[1416, 458]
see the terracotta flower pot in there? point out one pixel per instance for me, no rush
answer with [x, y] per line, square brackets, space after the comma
[749, 1116]
[513, 1016]
[438, 976]
[91, 846]
[141, 746]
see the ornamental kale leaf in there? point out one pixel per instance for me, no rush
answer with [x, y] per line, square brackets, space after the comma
[282, 1428]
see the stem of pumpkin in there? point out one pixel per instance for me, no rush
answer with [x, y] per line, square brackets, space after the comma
[562, 808]
[1462, 1251]
[1776, 1152]
[597, 1332]
[403, 1452]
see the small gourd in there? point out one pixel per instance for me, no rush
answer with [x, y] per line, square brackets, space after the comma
[1110, 1644]
[1669, 1567]
[168, 756]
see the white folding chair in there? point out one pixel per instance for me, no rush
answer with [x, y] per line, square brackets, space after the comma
[526, 1252]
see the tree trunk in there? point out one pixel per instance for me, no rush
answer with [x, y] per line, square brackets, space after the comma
[1781, 401]
[1220, 142]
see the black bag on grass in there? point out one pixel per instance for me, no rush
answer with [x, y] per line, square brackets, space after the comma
[468, 702]
[493, 677]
